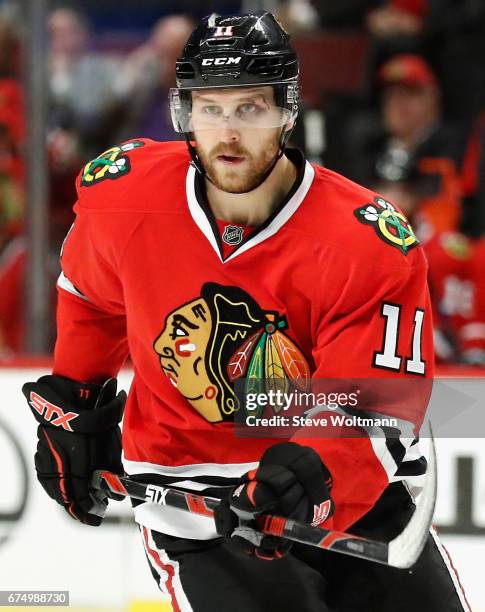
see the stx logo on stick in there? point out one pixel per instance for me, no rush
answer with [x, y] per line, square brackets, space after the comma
[51, 413]
[156, 495]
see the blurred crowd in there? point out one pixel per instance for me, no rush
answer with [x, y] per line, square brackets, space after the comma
[393, 97]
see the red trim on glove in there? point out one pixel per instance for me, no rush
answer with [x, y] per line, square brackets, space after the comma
[73, 514]
[251, 489]
[58, 460]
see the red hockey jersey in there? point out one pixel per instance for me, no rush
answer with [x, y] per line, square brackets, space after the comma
[457, 285]
[332, 285]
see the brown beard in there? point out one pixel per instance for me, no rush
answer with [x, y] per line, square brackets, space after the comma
[235, 180]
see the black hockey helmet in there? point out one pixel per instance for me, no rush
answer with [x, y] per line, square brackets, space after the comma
[237, 51]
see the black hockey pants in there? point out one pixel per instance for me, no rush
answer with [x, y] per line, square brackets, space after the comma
[205, 576]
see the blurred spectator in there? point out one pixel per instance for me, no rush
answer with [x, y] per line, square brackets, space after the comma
[13, 258]
[12, 246]
[473, 334]
[298, 16]
[397, 19]
[473, 180]
[11, 185]
[11, 131]
[450, 33]
[454, 38]
[83, 111]
[395, 27]
[384, 19]
[9, 44]
[457, 286]
[412, 157]
[409, 154]
[148, 75]
[83, 85]
[125, 15]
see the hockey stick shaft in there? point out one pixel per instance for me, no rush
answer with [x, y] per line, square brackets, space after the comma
[401, 552]
[269, 525]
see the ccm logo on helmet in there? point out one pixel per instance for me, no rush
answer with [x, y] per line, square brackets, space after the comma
[220, 61]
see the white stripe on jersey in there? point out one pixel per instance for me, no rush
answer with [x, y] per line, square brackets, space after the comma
[176, 522]
[64, 283]
[377, 438]
[193, 485]
[223, 470]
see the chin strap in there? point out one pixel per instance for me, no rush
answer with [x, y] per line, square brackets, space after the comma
[196, 162]
[195, 158]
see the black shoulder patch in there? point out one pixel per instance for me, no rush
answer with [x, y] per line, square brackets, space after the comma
[112, 164]
[389, 224]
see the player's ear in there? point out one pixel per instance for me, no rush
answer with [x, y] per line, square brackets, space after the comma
[290, 125]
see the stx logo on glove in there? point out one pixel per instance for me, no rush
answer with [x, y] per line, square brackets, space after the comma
[51, 413]
[321, 512]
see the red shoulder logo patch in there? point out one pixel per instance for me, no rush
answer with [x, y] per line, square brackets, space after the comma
[111, 164]
[389, 224]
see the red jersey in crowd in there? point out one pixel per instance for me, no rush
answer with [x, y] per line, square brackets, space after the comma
[457, 286]
[12, 270]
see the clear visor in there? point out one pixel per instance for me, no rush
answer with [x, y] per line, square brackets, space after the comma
[208, 109]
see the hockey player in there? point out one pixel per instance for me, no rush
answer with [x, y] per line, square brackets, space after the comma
[232, 259]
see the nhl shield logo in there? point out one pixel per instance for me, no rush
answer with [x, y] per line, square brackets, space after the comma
[232, 235]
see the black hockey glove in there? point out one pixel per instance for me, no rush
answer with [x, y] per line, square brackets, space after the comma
[291, 481]
[78, 433]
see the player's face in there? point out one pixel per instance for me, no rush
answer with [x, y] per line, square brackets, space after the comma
[237, 135]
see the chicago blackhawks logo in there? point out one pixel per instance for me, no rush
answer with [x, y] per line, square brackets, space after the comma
[111, 164]
[389, 224]
[220, 337]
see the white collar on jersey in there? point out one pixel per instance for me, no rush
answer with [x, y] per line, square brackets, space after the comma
[276, 222]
